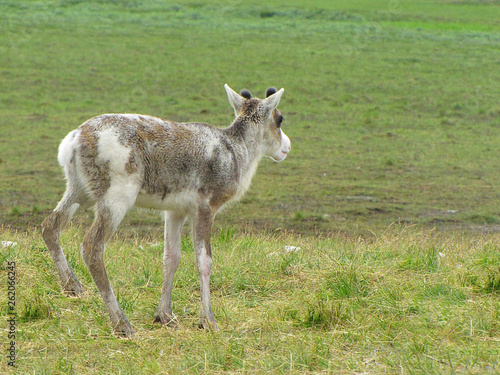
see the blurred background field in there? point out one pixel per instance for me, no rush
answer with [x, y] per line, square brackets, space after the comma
[392, 106]
[390, 191]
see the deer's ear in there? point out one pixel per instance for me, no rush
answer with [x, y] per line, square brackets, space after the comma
[235, 99]
[271, 102]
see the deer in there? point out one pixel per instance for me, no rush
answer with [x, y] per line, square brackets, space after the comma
[114, 162]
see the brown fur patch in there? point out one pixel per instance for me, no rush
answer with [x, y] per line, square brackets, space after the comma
[250, 111]
[131, 166]
[96, 169]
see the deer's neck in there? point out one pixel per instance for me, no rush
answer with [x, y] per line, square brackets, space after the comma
[244, 138]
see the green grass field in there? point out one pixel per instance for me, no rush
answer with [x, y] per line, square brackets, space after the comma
[390, 190]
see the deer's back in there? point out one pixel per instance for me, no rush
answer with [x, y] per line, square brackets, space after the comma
[165, 159]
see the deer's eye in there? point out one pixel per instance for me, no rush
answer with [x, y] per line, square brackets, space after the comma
[279, 121]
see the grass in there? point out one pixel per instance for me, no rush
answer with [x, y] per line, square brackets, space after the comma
[389, 191]
[410, 301]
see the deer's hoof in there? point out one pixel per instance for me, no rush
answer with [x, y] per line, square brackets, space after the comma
[73, 287]
[124, 330]
[165, 319]
[208, 325]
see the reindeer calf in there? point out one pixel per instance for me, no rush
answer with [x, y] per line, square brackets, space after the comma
[189, 170]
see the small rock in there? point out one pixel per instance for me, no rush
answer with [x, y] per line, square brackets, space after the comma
[5, 244]
[291, 249]
[286, 250]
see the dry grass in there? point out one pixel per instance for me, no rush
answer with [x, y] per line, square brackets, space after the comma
[408, 301]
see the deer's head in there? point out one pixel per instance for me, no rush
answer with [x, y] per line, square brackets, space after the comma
[264, 115]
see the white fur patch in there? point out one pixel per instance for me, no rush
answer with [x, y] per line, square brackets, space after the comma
[124, 187]
[111, 150]
[210, 144]
[285, 148]
[67, 147]
[132, 116]
[184, 202]
[139, 118]
[246, 180]
[121, 196]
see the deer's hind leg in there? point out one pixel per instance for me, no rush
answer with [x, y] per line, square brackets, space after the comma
[52, 227]
[109, 213]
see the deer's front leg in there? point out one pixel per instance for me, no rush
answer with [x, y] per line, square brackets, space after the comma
[171, 259]
[202, 225]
